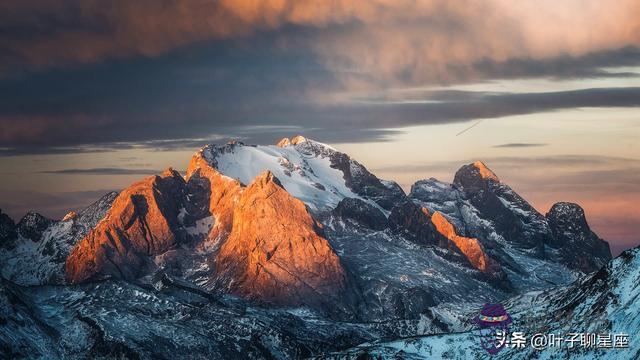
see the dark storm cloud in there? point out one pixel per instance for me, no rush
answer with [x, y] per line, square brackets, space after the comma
[249, 91]
[562, 67]
[519, 145]
[256, 76]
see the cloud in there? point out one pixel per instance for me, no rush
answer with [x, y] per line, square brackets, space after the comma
[452, 42]
[519, 145]
[587, 167]
[104, 171]
[589, 65]
[364, 42]
[188, 100]
[91, 76]
[17, 151]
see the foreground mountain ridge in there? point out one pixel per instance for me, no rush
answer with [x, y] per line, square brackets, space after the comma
[302, 226]
[604, 302]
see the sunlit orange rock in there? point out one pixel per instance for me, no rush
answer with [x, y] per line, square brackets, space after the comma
[139, 224]
[484, 171]
[425, 211]
[284, 142]
[298, 139]
[70, 216]
[470, 247]
[222, 190]
[275, 253]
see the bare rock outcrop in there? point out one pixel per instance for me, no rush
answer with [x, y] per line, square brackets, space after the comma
[469, 247]
[140, 223]
[275, 252]
[577, 246]
[219, 192]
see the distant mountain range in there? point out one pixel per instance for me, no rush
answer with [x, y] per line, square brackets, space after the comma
[296, 250]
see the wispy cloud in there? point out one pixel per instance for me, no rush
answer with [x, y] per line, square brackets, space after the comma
[103, 171]
[567, 162]
[122, 128]
[519, 145]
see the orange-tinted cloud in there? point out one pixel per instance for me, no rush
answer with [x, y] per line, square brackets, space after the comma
[364, 42]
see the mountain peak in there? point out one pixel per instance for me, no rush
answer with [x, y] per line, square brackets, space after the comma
[578, 245]
[140, 223]
[298, 139]
[70, 216]
[275, 252]
[169, 172]
[265, 178]
[474, 175]
[484, 171]
[32, 225]
[569, 210]
[284, 142]
[7, 229]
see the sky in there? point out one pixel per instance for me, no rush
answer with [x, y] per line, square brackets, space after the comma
[95, 95]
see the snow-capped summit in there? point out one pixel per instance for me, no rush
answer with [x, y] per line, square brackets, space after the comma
[311, 171]
[306, 175]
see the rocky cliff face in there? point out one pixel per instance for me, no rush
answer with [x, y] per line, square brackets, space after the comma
[270, 248]
[212, 193]
[604, 302]
[32, 225]
[8, 232]
[275, 253]
[577, 245]
[512, 217]
[360, 212]
[470, 247]
[40, 260]
[236, 252]
[414, 222]
[479, 206]
[141, 222]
